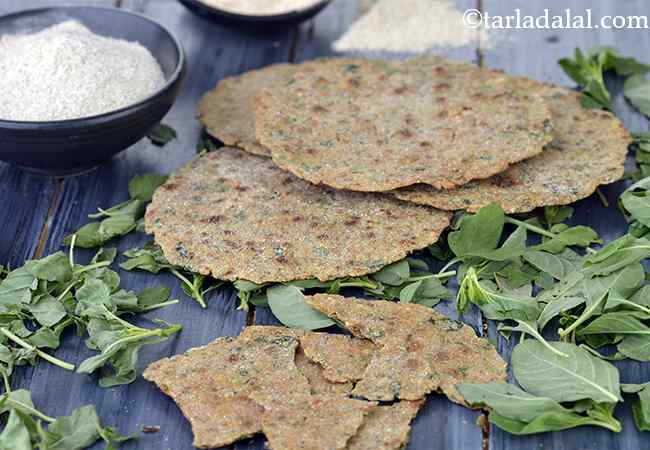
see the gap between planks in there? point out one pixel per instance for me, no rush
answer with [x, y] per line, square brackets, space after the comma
[483, 418]
[51, 211]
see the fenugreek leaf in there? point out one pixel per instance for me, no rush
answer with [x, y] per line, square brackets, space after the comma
[521, 413]
[637, 90]
[142, 187]
[478, 232]
[288, 305]
[579, 376]
[161, 134]
[587, 70]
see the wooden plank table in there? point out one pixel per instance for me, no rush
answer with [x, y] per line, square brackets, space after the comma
[38, 212]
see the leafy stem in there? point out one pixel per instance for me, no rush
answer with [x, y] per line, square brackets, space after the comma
[42, 354]
[67, 289]
[449, 264]
[192, 287]
[73, 241]
[159, 305]
[586, 314]
[93, 266]
[141, 333]
[614, 426]
[15, 404]
[440, 275]
[525, 327]
[538, 230]
[531, 227]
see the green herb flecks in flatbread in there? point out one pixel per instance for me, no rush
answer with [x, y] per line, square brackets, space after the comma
[589, 149]
[420, 351]
[313, 422]
[222, 387]
[343, 358]
[386, 427]
[228, 209]
[369, 125]
[228, 111]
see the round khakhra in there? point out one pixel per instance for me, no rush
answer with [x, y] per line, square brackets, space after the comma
[236, 216]
[227, 111]
[589, 149]
[369, 125]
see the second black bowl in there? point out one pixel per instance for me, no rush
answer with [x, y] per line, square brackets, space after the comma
[71, 146]
[271, 23]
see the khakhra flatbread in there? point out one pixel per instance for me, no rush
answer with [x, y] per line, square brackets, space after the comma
[313, 422]
[386, 427]
[228, 111]
[236, 216]
[369, 125]
[222, 388]
[589, 149]
[263, 382]
[421, 350]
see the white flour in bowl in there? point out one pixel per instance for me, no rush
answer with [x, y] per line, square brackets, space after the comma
[409, 26]
[67, 72]
[260, 7]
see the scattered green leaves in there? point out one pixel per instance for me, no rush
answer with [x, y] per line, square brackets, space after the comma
[580, 376]
[24, 429]
[288, 305]
[120, 219]
[587, 70]
[637, 90]
[640, 409]
[150, 258]
[408, 281]
[519, 412]
[39, 300]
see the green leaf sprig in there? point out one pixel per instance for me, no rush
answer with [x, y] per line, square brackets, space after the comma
[408, 281]
[641, 409]
[24, 429]
[150, 258]
[564, 387]
[120, 219]
[42, 298]
[587, 70]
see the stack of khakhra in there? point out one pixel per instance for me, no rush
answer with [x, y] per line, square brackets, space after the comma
[338, 167]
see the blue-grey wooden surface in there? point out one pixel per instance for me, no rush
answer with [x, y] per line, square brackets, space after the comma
[37, 212]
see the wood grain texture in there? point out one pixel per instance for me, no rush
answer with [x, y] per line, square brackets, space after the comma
[213, 52]
[43, 211]
[534, 53]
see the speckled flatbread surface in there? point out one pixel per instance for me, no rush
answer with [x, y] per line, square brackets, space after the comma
[236, 216]
[369, 125]
[386, 427]
[421, 350]
[313, 422]
[318, 383]
[222, 387]
[589, 149]
[343, 358]
[228, 111]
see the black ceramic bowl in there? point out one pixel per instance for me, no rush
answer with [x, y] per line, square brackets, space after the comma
[72, 146]
[254, 24]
